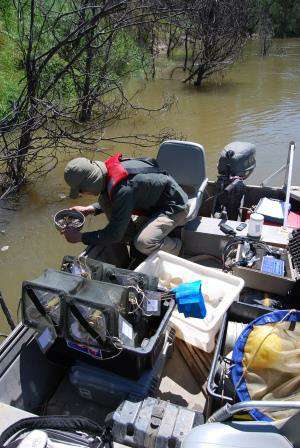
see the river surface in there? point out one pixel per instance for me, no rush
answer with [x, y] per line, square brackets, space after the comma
[259, 102]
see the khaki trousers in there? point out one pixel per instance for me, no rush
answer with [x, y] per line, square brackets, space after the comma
[153, 234]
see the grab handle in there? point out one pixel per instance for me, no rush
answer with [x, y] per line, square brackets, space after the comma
[228, 410]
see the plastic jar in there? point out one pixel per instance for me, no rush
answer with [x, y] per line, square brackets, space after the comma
[255, 225]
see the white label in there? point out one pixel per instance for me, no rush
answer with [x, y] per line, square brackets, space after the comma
[45, 339]
[127, 329]
[257, 228]
[152, 305]
[77, 270]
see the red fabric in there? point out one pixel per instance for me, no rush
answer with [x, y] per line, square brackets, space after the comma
[115, 172]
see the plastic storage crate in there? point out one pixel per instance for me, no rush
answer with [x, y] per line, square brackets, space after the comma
[109, 273]
[132, 361]
[67, 293]
[99, 385]
[219, 388]
[225, 288]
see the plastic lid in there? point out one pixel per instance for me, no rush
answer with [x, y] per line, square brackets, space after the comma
[257, 216]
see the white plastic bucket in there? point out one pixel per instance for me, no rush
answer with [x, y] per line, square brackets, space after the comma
[220, 287]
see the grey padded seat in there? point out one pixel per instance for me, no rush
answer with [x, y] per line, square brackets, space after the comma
[234, 435]
[290, 429]
[185, 161]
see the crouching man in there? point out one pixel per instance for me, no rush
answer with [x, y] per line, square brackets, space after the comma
[128, 187]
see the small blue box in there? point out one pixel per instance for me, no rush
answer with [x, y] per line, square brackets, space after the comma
[190, 300]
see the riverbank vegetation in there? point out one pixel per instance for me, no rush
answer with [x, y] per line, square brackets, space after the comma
[64, 64]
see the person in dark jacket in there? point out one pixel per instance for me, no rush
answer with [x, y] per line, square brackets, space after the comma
[125, 188]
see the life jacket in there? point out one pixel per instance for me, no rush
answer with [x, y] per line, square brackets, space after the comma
[116, 172]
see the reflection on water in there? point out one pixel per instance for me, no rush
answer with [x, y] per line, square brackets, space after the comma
[259, 102]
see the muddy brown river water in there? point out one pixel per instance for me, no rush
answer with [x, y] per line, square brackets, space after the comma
[259, 102]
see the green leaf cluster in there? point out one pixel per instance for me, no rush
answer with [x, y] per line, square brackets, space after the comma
[11, 72]
[284, 16]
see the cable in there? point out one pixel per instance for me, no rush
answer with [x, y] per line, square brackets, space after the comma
[234, 242]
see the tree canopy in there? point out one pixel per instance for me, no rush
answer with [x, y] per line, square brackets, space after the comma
[64, 65]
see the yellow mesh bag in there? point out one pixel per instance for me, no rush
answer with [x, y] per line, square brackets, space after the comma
[267, 362]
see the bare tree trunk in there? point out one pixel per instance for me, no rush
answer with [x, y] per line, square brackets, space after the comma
[27, 128]
[152, 51]
[24, 145]
[199, 79]
[265, 31]
[169, 41]
[186, 50]
[87, 105]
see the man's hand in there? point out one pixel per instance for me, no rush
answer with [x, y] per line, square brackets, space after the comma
[88, 210]
[72, 235]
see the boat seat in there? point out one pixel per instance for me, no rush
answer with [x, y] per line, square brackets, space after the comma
[185, 161]
[235, 435]
[290, 429]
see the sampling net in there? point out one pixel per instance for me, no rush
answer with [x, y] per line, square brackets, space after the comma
[266, 362]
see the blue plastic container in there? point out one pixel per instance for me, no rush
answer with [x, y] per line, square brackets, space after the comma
[190, 300]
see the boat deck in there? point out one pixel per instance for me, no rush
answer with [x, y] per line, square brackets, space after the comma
[178, 386]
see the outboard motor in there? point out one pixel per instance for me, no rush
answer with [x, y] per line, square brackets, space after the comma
[236, 163]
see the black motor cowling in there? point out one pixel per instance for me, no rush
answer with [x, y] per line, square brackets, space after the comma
[236, 163]
[237, 159]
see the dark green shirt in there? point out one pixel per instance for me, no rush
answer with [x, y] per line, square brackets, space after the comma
[152, 194]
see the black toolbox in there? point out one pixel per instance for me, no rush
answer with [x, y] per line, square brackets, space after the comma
[99, 385]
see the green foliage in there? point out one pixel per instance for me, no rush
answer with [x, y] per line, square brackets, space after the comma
[10, 60]
[284, 15]
[7, 16]
[64, 89]
[126, 55]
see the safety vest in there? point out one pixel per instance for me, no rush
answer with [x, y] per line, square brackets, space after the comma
[116, 171]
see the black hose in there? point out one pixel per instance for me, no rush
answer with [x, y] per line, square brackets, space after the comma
[58, 422]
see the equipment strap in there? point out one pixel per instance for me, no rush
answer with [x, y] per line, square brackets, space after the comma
[41, 309]
[145, 170]
[152, 167]
[83, 322]
[36, 302]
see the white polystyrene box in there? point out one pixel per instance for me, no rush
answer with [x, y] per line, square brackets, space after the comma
[215, 283]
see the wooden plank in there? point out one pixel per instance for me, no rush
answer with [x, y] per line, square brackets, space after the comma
[198, 361]
[188, 359]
